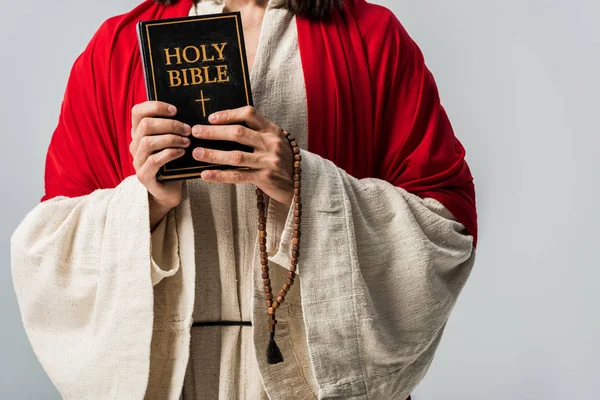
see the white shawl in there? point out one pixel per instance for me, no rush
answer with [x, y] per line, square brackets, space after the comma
[380, 271]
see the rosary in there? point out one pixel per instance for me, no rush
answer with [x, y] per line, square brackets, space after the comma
[273, 353]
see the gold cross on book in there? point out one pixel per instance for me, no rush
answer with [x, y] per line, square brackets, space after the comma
[202, 100]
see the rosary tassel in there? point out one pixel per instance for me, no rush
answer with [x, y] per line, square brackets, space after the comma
[273, 353]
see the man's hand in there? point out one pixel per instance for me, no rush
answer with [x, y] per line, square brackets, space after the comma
[155, 142]
[271, 164]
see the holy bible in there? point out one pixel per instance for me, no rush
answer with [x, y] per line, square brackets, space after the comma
[199, 65]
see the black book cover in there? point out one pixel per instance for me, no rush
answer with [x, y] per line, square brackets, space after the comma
[199, 65]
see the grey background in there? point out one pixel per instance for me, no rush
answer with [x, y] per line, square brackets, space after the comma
[520, 82]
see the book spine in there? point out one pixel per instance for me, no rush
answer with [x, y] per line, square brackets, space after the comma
[146, 65]
[145, 56]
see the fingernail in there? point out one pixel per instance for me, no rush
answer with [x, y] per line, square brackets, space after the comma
[172, 109]
[187, 129]
[186, 141]
[213, 117]
[198, 153]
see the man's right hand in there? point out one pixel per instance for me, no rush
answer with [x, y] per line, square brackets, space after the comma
[155, 142]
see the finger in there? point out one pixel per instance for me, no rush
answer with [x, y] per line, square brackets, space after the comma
[229, 176]
[248, 114]
[151, 109]
[234, 133]
[151, 144]
[158, 126]
[235, 158]
[153, 163]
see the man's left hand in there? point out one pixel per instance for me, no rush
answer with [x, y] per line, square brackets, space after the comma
[271, 164]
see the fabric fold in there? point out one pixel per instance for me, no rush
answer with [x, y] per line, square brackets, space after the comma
[174, 299]
[81, 271]
[165, 258]
[280, 225]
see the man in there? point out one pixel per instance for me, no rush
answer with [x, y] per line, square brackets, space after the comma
[130, 288]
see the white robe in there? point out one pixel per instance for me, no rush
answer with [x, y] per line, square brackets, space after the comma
[380, 271]
[222, 363]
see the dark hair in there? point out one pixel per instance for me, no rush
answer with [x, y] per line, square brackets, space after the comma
[318, 9]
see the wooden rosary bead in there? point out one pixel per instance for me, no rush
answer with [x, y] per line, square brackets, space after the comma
[296, 254]
[296, 227]
[267, 282]
[296, 164]
[262, 227]
[282, 293]
[265, 275]
[269, 296]
[260, 198]
[280, 299]
[296, 247]
[297, 234]
[296, 240]
[297, 206]
[296, 150]
[262, 220]
[297, 213]
[291, 275]
[264, 254]
[289, 282]
[294, 260]
[286, 287]
[293, 268]
[275, 305]
[268, 289]
[262, 240]
[296, 177]
[260, 205]
[258, 192]
[297, 220]
[261, 213]
[298, 170]
[296, 184]
[265, 268]
[269, 303]
[263, 248]
[298, 157]
[271, 310]
[297, 192]
[293, 143]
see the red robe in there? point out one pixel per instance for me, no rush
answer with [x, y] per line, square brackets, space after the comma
[373, 107]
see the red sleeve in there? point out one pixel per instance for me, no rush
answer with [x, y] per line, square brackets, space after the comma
[82, 155]
[417, 148]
